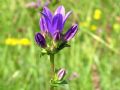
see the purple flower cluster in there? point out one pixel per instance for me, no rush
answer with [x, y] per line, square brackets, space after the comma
[52, 27]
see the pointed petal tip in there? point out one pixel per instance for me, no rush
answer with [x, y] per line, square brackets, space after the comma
[47, 12]
[70, 11]
[66, 16]
[61, 6]
[45, 8]
[75, 25]
[60, 10]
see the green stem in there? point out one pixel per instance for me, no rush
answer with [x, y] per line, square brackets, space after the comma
[52, 68]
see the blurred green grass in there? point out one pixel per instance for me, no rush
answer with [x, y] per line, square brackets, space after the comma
[22, 67]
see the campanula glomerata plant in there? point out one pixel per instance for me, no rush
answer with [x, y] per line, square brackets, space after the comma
[52, 39]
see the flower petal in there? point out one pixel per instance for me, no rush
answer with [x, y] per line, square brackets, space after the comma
[57, 36]
[47, 21]
[71, 32]
[47, 12]
[66, 16]
[40, 40]
[57, 23]
[60, 10]
[43, 25]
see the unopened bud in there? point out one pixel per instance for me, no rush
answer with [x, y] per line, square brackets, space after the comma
[61, 73]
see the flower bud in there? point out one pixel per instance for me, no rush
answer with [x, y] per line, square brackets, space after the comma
[61, 73]
[71, 32]
[40, 40]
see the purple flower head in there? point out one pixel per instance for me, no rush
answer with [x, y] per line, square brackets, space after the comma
[52, 25]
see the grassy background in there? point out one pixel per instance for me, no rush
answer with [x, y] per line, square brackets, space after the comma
[94, 54]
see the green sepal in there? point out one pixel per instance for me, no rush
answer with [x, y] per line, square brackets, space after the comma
[43, 52]
[61, 46]
[58, 83]
[55, 82]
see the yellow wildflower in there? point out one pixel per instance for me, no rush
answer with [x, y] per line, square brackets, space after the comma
[11, 41]
[97, 14]
[24, 42]
[93, 27]
[15, 41]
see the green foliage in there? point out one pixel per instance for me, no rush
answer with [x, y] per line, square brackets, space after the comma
[22, 67]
